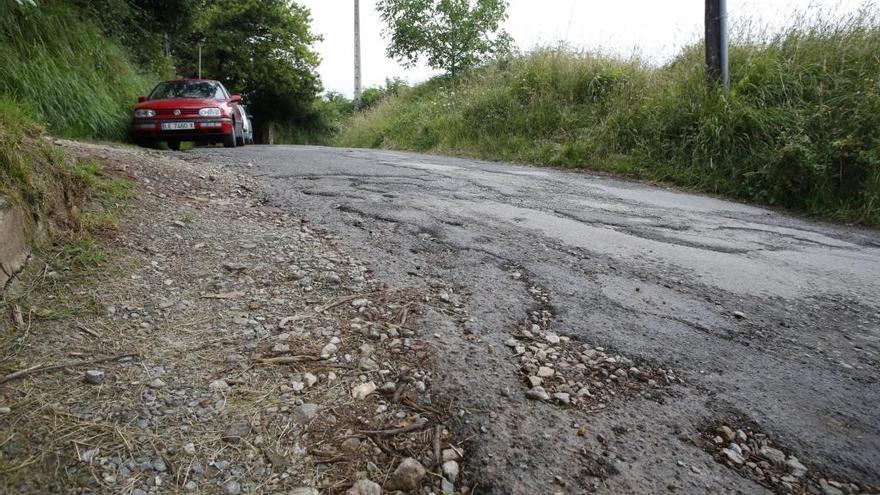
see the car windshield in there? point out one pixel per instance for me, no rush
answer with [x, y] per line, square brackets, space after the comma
[187, 89]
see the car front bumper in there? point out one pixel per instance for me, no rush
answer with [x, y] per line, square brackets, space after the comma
[204, 129]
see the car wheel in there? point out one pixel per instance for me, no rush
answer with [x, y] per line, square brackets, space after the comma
[240, 141]
[229, 140]
[174, 145]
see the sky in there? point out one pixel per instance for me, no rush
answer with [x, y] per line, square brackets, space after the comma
[655, 29]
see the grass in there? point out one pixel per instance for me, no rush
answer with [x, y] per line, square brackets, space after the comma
[76, 203]
[800, 127]
[63, 72]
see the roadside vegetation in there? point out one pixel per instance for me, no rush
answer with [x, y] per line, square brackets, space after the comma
[800, 127]
[78, 66]
[60, 69]
[69, 205]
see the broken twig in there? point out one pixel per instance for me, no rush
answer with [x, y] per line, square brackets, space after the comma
[42, 369]
[419, 425]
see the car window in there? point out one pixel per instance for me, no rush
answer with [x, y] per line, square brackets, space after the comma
[186, 89]
[220, 94]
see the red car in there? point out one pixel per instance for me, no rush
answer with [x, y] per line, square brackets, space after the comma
[196, 110]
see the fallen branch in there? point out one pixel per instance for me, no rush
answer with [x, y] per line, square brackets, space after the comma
[288, 359]
[346, 299]
[17, 317]
[438, 431]
[225, 295]
[87, 330]
[44, 368]
[419, 425]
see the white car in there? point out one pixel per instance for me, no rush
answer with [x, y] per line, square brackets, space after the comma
[247, 126]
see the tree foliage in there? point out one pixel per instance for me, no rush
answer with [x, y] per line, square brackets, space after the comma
[262, 49]
[452, 35]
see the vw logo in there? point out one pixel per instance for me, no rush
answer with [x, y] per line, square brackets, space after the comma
[176, 112]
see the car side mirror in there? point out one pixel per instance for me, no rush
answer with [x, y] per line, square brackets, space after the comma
[142, 99]
[235, 99]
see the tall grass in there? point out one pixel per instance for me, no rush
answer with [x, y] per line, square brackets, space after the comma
[800, 127]
[64, 72]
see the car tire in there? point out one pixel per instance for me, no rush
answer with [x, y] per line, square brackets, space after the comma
[229, 140]
[173, 145]
[240, 141]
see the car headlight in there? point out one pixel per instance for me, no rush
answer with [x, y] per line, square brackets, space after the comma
[209, 112]
[143, 113]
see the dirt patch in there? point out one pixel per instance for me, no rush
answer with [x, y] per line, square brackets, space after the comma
[228, 347]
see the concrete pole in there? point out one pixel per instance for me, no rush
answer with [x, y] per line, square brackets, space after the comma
[358, 88]
[725, 45]
[717, 42]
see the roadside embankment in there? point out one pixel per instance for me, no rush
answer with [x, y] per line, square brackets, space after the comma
[799, 129]
[41, 190]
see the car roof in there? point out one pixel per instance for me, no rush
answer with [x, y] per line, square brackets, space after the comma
[191, 80]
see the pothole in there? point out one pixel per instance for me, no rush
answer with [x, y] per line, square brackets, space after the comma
[567, 372]
[753, 454]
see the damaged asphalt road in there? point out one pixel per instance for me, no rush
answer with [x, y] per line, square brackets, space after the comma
[770, 324]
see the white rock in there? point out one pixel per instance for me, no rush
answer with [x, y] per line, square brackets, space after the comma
[552, 338]
[733, 456]
[545, 372]
[310, 379]
[450, 455]
[94, 377]
[407, 477]
[232, 487]
[305, 413]
[363, 390]
[219, 385]
[795, 467]
[538, 393]
[775, 456]
[329, 350]
[157, 383]
[364, 487]
[450, 470]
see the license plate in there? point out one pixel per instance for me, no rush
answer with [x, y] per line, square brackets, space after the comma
[178, 126]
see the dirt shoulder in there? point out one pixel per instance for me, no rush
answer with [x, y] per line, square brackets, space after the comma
[223, 346]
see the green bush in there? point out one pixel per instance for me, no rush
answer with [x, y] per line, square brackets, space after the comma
[64, 72]
[800, 127]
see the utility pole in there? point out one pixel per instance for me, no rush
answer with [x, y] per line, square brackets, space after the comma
[358, 89]
[717, 42]
[200, 59]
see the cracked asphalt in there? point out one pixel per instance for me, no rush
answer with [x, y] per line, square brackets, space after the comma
[769, 320]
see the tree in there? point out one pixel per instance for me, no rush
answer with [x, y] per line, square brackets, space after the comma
[262, 49]
[453, 35]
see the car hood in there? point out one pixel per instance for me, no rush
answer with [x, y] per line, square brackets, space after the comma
[180, 103]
